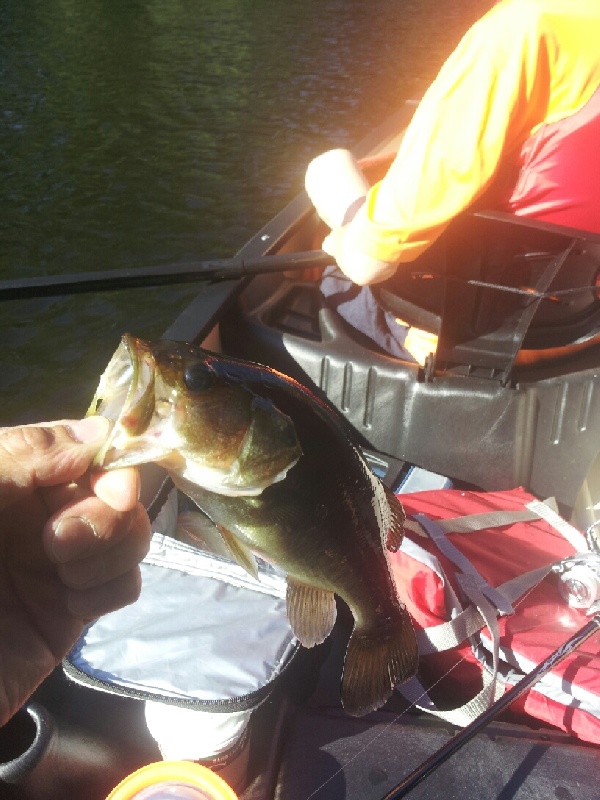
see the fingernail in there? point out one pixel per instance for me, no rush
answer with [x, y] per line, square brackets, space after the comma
[90, 429]
[73, 538]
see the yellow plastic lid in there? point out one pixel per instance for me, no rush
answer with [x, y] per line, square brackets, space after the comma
[173, 780]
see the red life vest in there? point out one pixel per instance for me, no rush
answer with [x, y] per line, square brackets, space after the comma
[558, 168]
[449, 558]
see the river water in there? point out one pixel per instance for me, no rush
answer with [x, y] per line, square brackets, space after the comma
[159, 131]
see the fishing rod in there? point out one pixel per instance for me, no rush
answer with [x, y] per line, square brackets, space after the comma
[463, 736]
[165, 274]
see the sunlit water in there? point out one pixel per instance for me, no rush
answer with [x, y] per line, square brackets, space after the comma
[160, 131]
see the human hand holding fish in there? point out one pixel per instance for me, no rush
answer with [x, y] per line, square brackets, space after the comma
[70, 544]
[273, 467]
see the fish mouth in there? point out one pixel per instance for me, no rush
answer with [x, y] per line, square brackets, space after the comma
[220, 437]
[126, 396]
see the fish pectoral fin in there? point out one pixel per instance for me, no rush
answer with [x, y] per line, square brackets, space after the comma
[200, 531]
[311, 612]
[239, 552]
[395, 532]
[376, 661]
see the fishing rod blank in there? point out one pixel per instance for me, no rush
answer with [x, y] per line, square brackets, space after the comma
[463, 736]
[161, 275]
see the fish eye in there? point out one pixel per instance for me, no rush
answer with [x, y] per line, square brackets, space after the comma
[198, 377]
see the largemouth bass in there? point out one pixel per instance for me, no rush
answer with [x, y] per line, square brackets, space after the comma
[272, 466]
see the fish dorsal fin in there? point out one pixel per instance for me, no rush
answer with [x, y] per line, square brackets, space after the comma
[239, 552]
[395, 532]
[311, 612]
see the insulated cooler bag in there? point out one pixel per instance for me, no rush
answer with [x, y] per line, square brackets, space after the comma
[481, 574]
[203, 647]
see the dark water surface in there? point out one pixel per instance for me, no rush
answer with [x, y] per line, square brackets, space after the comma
[157, 131]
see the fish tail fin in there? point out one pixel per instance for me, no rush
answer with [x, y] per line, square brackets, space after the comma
[376, 661]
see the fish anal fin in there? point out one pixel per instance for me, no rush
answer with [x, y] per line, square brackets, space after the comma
[239, 552]
[395, 532]
[376, 661]
[311, 612]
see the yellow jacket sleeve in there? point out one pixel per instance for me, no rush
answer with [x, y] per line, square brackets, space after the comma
[484, 103]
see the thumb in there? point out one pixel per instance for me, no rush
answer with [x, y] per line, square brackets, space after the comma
[48, 454]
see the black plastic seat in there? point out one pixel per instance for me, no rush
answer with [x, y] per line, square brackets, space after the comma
[496, 284]
[512, 395]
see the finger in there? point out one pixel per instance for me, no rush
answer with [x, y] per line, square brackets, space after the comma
[59, 497]
[104, 565]
[88, 604]
[32, 456]
[98, 541]
[119, 488]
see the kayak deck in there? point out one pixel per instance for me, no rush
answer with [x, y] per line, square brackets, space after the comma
[302, 744]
